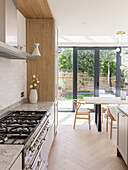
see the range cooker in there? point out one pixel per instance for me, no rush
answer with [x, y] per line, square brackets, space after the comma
[28, 128]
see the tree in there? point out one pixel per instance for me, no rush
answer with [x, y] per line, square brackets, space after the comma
[65, 60]
[108, 59]
[86, 62]
[108, 63]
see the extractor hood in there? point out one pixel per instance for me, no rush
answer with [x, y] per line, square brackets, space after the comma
[8, 31]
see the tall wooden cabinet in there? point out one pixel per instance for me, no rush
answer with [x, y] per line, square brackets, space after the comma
[41, 28]
[42, 31]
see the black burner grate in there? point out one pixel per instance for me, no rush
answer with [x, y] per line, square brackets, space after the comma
[16, 126]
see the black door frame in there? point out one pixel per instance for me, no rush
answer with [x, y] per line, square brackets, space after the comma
[96, 69]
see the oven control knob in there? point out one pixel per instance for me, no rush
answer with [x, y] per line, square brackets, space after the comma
[32, 149]
[37, 141]
[38, 147]
[39, 162]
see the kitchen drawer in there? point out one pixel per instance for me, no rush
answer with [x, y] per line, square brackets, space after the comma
[122, 134]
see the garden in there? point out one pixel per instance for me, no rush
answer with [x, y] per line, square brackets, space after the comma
[85, 73]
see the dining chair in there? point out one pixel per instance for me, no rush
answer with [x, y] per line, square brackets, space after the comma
[103, 110]
[112, 115]
[81, 111]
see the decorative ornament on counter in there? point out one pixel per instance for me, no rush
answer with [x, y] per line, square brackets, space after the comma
[123, 94]
[33, 97]
[124, 81]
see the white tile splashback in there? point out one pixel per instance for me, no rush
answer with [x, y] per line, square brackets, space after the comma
[13, 81]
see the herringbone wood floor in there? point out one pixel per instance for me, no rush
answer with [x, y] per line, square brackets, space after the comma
[81, 149]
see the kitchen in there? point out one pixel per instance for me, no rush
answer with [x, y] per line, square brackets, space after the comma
[28, 132]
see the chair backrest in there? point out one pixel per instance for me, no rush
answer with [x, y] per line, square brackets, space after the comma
[77, 103]
[113, 111]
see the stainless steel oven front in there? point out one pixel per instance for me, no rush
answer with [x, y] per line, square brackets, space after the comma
[36, 154]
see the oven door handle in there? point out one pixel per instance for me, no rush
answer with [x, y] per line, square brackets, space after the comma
[48, 114]
[41, 163]
[35, 161]
[37, 156]
[32, 145]
[48, 131]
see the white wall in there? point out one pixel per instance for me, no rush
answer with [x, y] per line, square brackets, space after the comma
[12, 81]
[13, 73]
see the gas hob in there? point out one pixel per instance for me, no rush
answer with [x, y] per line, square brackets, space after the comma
[16, 127]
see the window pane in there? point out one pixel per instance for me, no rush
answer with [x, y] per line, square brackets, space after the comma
[124, 72]
[107, 73]
[65, 79]
[85, 74]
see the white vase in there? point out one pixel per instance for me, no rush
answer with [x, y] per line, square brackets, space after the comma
[33, 97]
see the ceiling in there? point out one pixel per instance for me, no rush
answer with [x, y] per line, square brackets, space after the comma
[90, 22]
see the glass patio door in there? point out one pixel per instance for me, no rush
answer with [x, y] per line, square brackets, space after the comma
[85, 73]
[65, 79]
[107, 73]
[98, 72]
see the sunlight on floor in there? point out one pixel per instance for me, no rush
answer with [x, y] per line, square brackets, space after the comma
[68, 119]
[83, 149]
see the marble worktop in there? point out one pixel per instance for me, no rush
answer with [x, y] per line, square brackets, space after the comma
[26, 106]
[123, 109]
[40, 106]
[8, 155]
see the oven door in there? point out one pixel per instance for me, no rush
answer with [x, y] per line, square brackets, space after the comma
[41, 160]
[46, 148]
